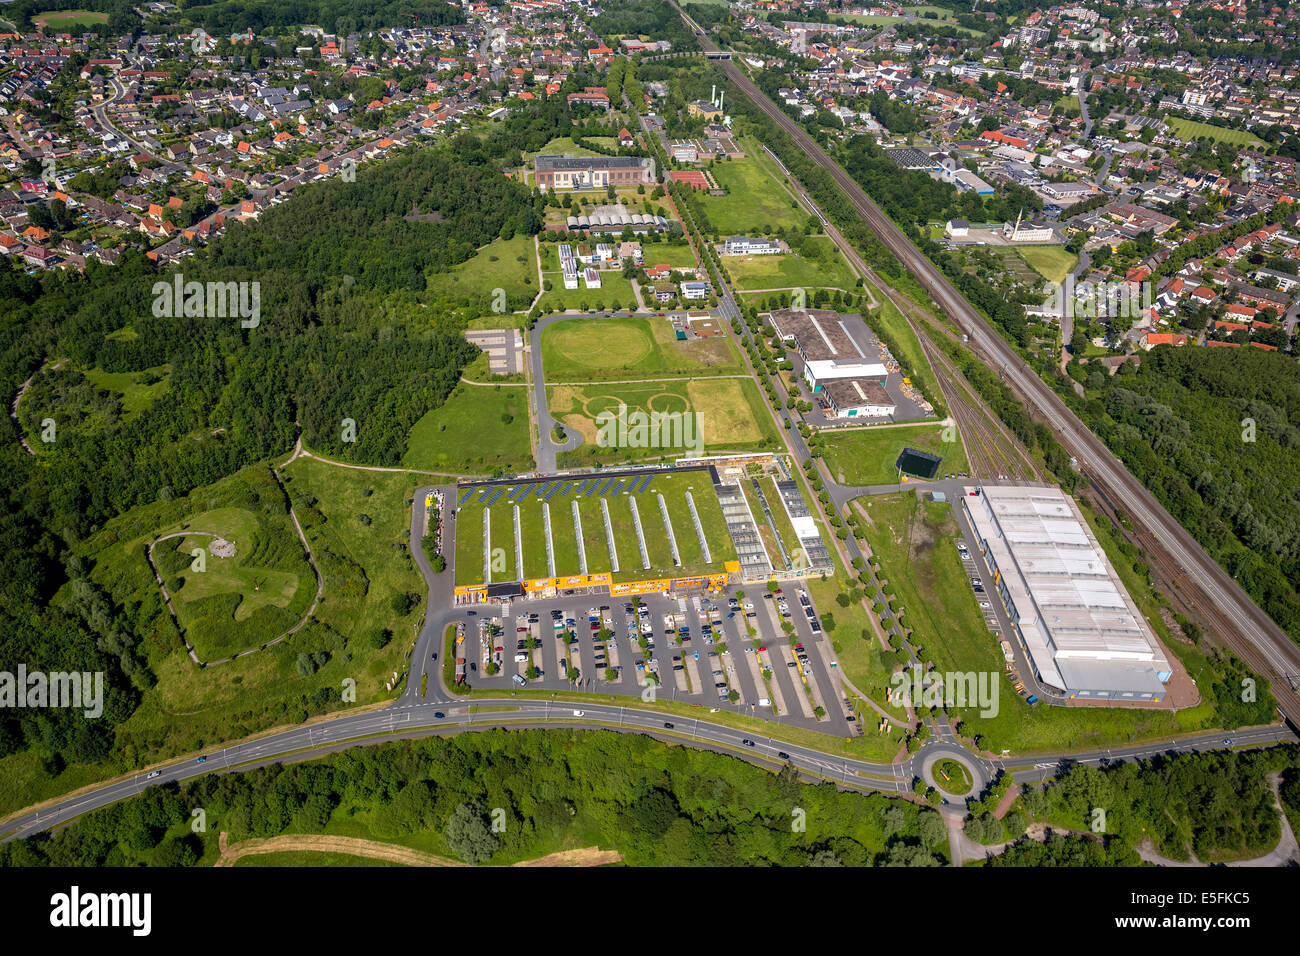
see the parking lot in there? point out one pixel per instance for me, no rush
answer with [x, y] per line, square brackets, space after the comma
[718, 651]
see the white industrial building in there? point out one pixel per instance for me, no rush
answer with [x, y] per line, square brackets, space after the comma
[1083, 633]
[824, 344]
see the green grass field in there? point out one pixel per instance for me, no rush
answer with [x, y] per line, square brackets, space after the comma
[756, 200]
[469, 433]
[828, 270]
[730, 416]
[68, 20]
[588, 350]
[128, 388]
[914, 542]
[508, 264]
[563, 145]
[532, 536]
[615, 292]
[1053, 263]
[232, 603]
[190, 708]
[1190, 130]
[867, 456]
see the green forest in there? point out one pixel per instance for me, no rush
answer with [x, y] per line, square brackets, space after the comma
[658, 805]
[1215, 435]
[144, 408]
[1216, 806]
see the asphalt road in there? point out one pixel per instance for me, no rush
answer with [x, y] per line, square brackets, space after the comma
[1248, 630]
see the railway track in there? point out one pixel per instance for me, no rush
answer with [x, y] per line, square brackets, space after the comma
[1222, 605]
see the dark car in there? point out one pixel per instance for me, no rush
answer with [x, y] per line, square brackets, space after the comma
[783, 755]
[439, 714]
[202, 760]
[747, 742]
[667, 726]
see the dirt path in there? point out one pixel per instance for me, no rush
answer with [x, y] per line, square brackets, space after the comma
[389, 852]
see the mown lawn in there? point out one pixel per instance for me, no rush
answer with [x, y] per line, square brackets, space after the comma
[868, 456]
[583, 350]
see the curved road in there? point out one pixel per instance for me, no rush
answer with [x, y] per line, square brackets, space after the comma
[1243, 625]
[413, 715]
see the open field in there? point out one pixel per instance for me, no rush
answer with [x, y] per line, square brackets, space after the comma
[585, 350]
[615, 292]
[867, 456]
[930, 584]
[914, 542]
[828, 270]
[563, 145]
[1190, 130]
[190, 708]
[945, 18]
[478, 429]
[729, 416]
[532, 537]
[68, 20]
[755, 200]
[230, 603]
[1053, 263]
[508, 264]
[128, 387]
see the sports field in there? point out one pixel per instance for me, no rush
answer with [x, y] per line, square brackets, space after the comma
[587, 350]
[506, 548]
[68, 20]
[1190, 130]
[729, 416]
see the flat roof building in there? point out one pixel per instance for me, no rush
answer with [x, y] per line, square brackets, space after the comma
[858, 398]
[1082, 630]
[824, 344]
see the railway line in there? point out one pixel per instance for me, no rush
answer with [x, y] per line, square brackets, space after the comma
[1221, 604]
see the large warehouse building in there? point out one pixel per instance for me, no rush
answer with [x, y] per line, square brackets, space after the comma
[1081, 628]
[833, 365]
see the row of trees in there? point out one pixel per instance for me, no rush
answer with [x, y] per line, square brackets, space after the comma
[501, 796]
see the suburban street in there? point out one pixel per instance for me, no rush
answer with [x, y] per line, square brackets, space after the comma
[1228, 609]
